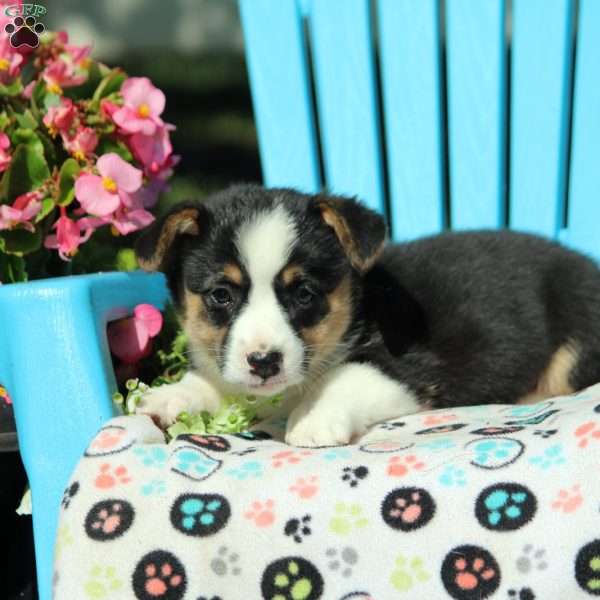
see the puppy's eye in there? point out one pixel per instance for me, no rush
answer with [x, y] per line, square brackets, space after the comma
[304, 295]
[221, 296]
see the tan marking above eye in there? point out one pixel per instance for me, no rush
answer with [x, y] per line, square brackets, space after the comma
[290, 273]
[233, 273]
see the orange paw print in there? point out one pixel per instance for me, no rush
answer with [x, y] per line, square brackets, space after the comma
[109, 477]
[468, 577]
[108, 439]
[568, 501]
[586, 432]
[289, 457]
[261, 513]
[398, 466]
[305, 488]
[438, 419]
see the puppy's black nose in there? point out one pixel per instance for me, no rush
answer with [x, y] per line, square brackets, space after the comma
[265, 364]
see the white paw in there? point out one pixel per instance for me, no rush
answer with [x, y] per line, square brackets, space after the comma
[318, 428]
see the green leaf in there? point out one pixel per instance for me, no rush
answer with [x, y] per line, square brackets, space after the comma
[12, 89]
[49, 149]
[20, 241]
[4, 120]
[110, 145]
[26, 120]
[87, 88]
[12, 268]
[126, 260]
[66, 181]
[109, 84]
[50, 100]
[47, 207]
[28, 170]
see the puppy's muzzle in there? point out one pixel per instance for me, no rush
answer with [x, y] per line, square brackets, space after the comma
[265, 364]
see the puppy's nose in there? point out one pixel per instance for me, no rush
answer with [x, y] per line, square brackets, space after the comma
[265, 364]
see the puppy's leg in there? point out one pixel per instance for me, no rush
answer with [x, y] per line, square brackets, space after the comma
[192, 394]
[349, 400]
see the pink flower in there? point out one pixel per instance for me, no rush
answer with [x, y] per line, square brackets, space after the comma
[69, 236]
[82, 144]
[102, 195]
[130, 339]
[5, 156]
[143, 106]
[4, 395]
[108, 108]
[24, 208]
[152, 150]
[60, 118]
[62, 74]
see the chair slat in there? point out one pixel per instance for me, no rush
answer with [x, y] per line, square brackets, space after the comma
[476, 114]
[279, 77]
[540, 107]
[410, 70]
[344, 68]
[584, 193]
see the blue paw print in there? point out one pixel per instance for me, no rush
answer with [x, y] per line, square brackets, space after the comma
[493, 453]
[152, 455]
[505, 506]
[195, 510]
[452, 476]
[438, 444]
[552, 456]
[200, 514]
[155, 487]
[335, 453]
[193, 463]
[246, 470]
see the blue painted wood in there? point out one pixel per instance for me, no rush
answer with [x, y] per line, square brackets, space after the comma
[409, 38]
[54, 357]
[540, 108]
[476, 112]
[279, 77]
[584, 202]
[344, 69]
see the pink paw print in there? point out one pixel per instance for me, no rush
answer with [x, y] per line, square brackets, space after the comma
[109, 476]
[438, 419]
[398, 466]
[261, 513]
[586, 432]
[289, 457]
[568, 501]
[108, 439]
[305, 488]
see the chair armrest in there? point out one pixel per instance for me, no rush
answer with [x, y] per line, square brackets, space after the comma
[55, 362]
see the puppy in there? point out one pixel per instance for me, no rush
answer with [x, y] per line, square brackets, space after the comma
[280, 291]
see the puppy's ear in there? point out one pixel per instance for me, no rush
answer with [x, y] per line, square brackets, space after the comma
[360, 231]
[155, 248]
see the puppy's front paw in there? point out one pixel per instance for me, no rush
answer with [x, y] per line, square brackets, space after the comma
[313, 428]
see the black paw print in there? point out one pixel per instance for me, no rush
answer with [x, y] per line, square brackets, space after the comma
[392, 426]
[24, 32]
[248, 450]
[352, 475]
[159, 574]
[298, 529]
[69, 494]
[522, 594]
[470, 573]
[545, 433]
[109, 519]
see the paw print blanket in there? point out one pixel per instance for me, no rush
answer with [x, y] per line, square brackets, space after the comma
[479, 502]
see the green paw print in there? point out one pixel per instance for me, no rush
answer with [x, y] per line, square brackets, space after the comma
[347, 517]
[292, 578]
[102, 582]
[408, 573]
[63, 539]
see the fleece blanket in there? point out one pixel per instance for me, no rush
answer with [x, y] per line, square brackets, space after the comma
[471, 503]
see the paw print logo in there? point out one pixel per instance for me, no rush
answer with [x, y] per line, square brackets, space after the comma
[353, 475]
[291, 578]
[551, 457]
[288, 457]
[408, 508]
[305, 488]
[102, 582]
[159, 574]
[262, 513]
[109, 519]
[225, 563]
[110, 476]
[299, 528]
[453, 476]
[346, 518]
[193, 463]
[505, 506]
[408, 573]
[69, 494]
[24, 32]
[342, 560]
[531, 559]
[568, 500]
[399, 466]
[109, 440]
[494, 453]
[470, 573]
[522, 594]
[586, 433]
[200, 515]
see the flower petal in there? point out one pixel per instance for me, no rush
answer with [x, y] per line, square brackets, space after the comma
[150, 316]
[127, 177]
[94, 197]
[128, 339]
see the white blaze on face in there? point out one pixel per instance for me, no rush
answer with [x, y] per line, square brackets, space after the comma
[264, 245]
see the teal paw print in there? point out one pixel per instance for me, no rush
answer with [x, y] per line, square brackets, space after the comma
[552, 456]
[200, 514]
[337, 453]
[453, 476]
[156, 487]
[250, 469]
[193, 463]
[505, 506]
[152, 455]
[493, 453]
[438, 444]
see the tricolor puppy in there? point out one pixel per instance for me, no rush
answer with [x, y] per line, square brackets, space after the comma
[285, 292]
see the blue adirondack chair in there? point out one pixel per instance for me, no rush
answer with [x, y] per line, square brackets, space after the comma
[439, 115]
